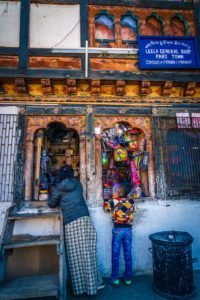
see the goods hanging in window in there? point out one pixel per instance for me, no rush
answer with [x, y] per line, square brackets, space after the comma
[124, 159]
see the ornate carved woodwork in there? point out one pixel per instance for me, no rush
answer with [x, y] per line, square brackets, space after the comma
[71, 86]
[145, 88]
[155, 22]
[120, 88]
[95, 87]
[167, 88]
[47, 86]
[21, 86]
[190, 89]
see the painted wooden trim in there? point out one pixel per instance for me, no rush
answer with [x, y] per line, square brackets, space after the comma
[145, 3]
[24, 34]
[197, 24]
[56, 1]
[48, 52]
[84, 22]
[9, 50]
[106, 75]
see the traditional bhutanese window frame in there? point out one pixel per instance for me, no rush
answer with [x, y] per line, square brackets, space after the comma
[110, 16]
[159, 19]
[183, 20]
[137, 20]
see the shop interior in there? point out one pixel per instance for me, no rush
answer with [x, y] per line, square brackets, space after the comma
[124, 159]
[54, 147]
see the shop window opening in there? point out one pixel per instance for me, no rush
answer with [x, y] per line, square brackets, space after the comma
[54, 147]
[124, 160]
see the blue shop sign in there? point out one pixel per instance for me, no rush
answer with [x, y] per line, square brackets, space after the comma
[164, 52]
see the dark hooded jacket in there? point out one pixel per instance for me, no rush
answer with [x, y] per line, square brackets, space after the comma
[68, 194]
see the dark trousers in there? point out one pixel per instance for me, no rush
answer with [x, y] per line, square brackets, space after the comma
[121, 236]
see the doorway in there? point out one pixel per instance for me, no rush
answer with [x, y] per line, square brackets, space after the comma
[54, 147]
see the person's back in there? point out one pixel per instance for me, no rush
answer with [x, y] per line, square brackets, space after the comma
[79, 233]
[69, 193]
[122, 209]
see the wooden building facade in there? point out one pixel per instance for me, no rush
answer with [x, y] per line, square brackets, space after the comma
[69, 71]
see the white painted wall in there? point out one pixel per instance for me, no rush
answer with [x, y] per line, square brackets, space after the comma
[151, 217]
[9, 23]
[49, 24]
[8, 110]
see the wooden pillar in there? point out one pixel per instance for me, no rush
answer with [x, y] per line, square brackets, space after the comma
[151, 171]
[28, 170]
[82, 150]
[37, 164]
[118, 31]
[98, 171]
[90, 158]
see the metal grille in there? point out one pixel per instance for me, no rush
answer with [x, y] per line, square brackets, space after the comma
[177, 156]
[8, 150]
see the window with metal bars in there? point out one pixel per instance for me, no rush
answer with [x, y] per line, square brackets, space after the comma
[11, 157]
[177, 158]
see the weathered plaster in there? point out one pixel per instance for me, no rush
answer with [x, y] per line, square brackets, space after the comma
[151, 216]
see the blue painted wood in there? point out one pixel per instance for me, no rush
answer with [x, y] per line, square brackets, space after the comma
[145, 3]
[104, 75]
[9, 50]
[197, 24]
[84, 22]
[24, 34]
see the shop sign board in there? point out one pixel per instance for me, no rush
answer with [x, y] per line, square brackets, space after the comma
[164, 52]
[183, 120]
[196, 120]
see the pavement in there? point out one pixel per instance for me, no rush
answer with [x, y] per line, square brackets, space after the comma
[141, 289]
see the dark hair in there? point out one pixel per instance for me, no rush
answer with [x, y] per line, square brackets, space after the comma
[66, 172]
[126, 188]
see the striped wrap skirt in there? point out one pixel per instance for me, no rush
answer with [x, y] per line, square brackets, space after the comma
[81, 256]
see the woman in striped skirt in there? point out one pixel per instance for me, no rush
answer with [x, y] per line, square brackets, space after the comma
[80, 234]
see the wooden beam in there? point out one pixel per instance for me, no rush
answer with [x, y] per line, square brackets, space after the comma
[24, 34]
[197, 24]
[145, 3]
[84, 22]
[90, 157]
[48, 52]
[184, 76]
[56, 1]
[9, 50]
